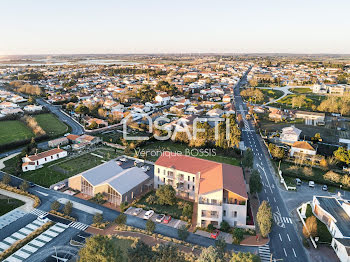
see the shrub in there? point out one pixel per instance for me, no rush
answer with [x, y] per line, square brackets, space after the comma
[237, 235]
[24, 186]
[151, 199]
[332, 176]
[6, 179]
[308, 171]
[123, 206]
[55, 205]
[61, 215]
[187, 210]
[210, 228]
[98, 218]
[310, 228]
[224, 226]
[121, 219]
[166, 195]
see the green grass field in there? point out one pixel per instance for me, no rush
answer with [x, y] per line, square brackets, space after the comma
[302, 90]
[178, 147]
[51, 124]
[13, 130]
[310, 100]
[271, 94]
[8, 205]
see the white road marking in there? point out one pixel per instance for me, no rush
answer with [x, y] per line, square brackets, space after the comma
[278, 209]
[274, 199]
[280, 237]
[285, 251]
[294, 252]
[268, 182]
[268, 200]
[44, 194]
[288, 237]
[265, 190]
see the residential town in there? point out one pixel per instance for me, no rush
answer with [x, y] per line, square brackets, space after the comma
[201, 154]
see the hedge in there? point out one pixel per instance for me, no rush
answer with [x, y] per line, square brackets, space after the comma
[56, 213]
[21, 243]
[21, 192]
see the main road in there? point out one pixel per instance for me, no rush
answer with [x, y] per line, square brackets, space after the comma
[285, 243]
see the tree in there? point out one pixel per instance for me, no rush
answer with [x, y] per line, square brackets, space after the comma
[210, 254]
[150, 226]
[31, 100]
[182, 232]
[121, 219]
[255, 184]
[342, 155]
[81, 109]
[141, 252]
[187, 210]
[6, 179]
[97, 218]
[218, 106]
[55, 205]
[244, 257]
[324, 164]
[237, 235]
[264, 218]
[68, 208]
[166, 195]
[224, 226]
[220, 245]
[310, 228]
[247, 160]
[93, 125]
[24, 186]
[169, 253]
[100, 249]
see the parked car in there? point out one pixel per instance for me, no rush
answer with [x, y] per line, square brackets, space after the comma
[325, 188]
[311, 184]
[160, 218]
[145, 168]
[215, 234]
[119, 163]
[298, 181]
[148, 214]
[31, 184]
[166, 219]
[43, 218]
[137, 211]
[123, 159]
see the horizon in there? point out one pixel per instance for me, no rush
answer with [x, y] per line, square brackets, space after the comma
[187, 27]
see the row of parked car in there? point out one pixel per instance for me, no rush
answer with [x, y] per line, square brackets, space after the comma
[161, 218]
[311, 184]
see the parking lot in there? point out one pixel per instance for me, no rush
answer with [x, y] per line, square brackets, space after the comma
[126, 162]
[175, 223]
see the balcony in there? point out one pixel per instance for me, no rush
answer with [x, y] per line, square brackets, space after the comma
[206, 201]
[232, 201]
[209, 214]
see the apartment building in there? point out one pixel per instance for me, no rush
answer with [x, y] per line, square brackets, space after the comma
[219, 189]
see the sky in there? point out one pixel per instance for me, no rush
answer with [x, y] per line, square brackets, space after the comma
[190, 26]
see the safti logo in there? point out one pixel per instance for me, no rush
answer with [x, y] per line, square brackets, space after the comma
[172, 127]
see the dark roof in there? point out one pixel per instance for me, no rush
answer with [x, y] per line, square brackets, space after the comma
[346, 243]
[332, 206]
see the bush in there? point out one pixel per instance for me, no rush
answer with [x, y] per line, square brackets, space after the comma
[121, 219]
[151, 199]
[6, 179]
[61, 215]
[237, 235]
[150, 226]
[24, 186]
[123, 206]
[55, 205]
[98, 218]
[210, 228]
[224, 226]
[187, 210]
[166, 195]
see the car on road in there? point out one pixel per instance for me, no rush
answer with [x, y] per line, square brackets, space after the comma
[145, 168]
[160, 218]
[215, 234]
[325, 188]
[311, 184]
[43, 218]
[137, 211]
[166, 219]
[148, 214]
[123, 159]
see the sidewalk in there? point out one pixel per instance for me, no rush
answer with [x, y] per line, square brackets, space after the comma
[2, 165]
[149, 240]
[29, 202]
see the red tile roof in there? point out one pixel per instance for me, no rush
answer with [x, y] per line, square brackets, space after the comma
[45, 154]
[214, 176]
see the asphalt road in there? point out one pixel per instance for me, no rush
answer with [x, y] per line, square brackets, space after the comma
[284, 243]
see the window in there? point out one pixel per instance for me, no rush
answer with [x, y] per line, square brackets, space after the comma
[235, 214]
[188, 186]
[234, 223]
[189, 179]
[163, 179]
[58, 156]
[224, 213]
[192, 188]
[45, 159]
[51, 157]
[158, 178]
[193, 179]
[158, 170]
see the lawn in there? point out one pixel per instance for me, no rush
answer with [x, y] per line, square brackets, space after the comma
[302, 90]
[8, 205]
[123, 245]
[270, 94]
[61, 169]
[310, 100]
[178, 147]
[175, 210]
[13, 130]
[51, 124]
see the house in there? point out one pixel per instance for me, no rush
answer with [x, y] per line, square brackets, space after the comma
[11, 111]
[118, 185]
[290, 134]
[91, 140]
[219, 189]
[276, 114]
[302, 147]
[215, 112]
[62, 141]
[334, 212]
[311, 118]
[36, 161]
[7, 105]
[99, 122]
[226, 99]
[33, 108]
[163, 99]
